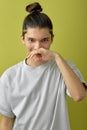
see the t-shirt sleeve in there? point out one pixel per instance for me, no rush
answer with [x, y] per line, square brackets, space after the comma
[5, 106]
[78, 73]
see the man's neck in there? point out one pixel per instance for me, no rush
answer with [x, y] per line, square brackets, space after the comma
[33, 63]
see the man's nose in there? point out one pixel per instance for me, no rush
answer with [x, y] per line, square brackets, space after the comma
[37, 45]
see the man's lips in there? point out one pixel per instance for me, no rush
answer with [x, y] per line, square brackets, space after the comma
[38, 55]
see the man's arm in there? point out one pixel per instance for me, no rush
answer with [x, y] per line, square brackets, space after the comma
[6, 123]
[73, 83]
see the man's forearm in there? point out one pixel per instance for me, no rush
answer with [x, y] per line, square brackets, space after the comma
[4, 127]
[6, 123]
[72, 82]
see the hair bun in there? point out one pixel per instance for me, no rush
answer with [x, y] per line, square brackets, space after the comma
[33, 7]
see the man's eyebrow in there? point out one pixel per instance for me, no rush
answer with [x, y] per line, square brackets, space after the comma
[46, 37]
[30, 38]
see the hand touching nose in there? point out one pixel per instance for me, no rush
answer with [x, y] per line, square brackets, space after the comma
[45, 54]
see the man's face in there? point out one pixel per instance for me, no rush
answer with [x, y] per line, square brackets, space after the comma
[36, 38]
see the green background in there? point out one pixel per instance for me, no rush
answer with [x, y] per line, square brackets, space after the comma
[70, 29]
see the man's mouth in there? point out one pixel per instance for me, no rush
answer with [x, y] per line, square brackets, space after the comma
[38, 55]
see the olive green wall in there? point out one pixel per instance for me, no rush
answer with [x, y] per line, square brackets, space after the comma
[70, 29]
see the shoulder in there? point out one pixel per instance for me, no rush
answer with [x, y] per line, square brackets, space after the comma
[13, 70]
[14, 67]
[77, 71]
[73, 66]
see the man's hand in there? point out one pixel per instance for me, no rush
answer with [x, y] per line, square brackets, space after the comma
[42, 53]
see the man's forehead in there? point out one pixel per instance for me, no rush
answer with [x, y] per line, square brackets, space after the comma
[38, 36]
[37, 33]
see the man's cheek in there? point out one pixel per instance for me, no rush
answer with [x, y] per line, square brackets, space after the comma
[30, 49]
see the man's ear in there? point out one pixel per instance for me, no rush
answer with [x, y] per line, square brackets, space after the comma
[52, 38]
[22, 39]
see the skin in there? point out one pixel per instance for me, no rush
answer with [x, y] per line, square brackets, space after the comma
[37, 42]
[6, 123]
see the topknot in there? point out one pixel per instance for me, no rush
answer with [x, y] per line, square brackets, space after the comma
[33, 7]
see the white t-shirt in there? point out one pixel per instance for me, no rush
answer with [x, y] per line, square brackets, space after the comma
[35, 96]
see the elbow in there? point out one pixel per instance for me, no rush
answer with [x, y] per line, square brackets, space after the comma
[79, 97]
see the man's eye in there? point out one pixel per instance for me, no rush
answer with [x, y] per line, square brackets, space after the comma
[31, 40]
[45, 40]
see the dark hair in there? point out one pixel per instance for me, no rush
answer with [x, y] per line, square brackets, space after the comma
[36, 18]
